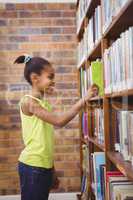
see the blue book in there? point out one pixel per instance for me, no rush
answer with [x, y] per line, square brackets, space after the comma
[98, 160]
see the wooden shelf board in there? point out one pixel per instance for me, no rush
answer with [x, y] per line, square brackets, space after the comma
[97, 143]
[120, 94]
[120, 22]
[97, 98]
[96, 52]
[80, 29]
[124, 166]
[83, 61]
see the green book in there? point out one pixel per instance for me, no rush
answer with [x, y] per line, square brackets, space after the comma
[97, 75]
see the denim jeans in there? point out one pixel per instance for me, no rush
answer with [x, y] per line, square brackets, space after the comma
[35, 182]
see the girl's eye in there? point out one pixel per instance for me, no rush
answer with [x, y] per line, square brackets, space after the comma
[50, 77]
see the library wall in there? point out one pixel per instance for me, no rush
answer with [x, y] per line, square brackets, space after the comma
[46, 30]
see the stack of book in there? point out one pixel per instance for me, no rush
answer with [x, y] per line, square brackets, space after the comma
[124, 134]
[110, 10]
[118, 60]
[118, 187]
[98, 124]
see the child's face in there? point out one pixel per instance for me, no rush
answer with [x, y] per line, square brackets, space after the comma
[46, 80]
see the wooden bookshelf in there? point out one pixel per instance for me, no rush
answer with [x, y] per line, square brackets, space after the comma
[109, 102]
[120, 94]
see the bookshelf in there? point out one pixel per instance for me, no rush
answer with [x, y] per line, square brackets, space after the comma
[110, 24]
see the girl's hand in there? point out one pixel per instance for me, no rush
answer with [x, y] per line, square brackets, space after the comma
[92, 92]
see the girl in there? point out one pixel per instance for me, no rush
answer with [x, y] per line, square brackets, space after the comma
[36, 160]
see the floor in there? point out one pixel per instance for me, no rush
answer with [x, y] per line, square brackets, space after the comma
[53, 196]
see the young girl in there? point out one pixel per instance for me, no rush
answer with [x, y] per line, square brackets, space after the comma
[36, 160]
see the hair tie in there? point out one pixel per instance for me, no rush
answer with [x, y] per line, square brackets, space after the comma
[27, 58]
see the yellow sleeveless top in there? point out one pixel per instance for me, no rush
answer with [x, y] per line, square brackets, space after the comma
[38, 138]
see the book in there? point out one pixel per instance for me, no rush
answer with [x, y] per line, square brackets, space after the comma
[97, 75]
[98, 159]
[85, 127]
[102, 181]
[98, 124]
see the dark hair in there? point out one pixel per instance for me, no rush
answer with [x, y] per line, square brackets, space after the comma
[33, 64]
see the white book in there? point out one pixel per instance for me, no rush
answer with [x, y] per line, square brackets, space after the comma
[131, 55]
[125, 141]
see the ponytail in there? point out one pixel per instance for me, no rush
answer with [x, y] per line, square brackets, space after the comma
[32, 65]
[23, 59]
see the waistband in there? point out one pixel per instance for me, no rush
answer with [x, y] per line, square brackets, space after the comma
[34, 167]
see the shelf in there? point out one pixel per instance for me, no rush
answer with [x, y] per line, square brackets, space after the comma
[81, 27]
[88, 13]
[120, 94]
[97, 98]
[83, 61]
[97, 143]
[93, 55]
[96, 52]
[120, 22]
[125, 167]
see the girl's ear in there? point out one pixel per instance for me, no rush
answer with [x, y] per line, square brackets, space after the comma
[34, 77]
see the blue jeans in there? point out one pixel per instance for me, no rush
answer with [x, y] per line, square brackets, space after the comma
[35, 182]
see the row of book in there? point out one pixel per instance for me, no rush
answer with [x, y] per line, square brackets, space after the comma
[110, 10]
[118, 62]
[92, 75]
[109, 185]
[124, 134]
[92, 35]
[97, 121]
[118, 186]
